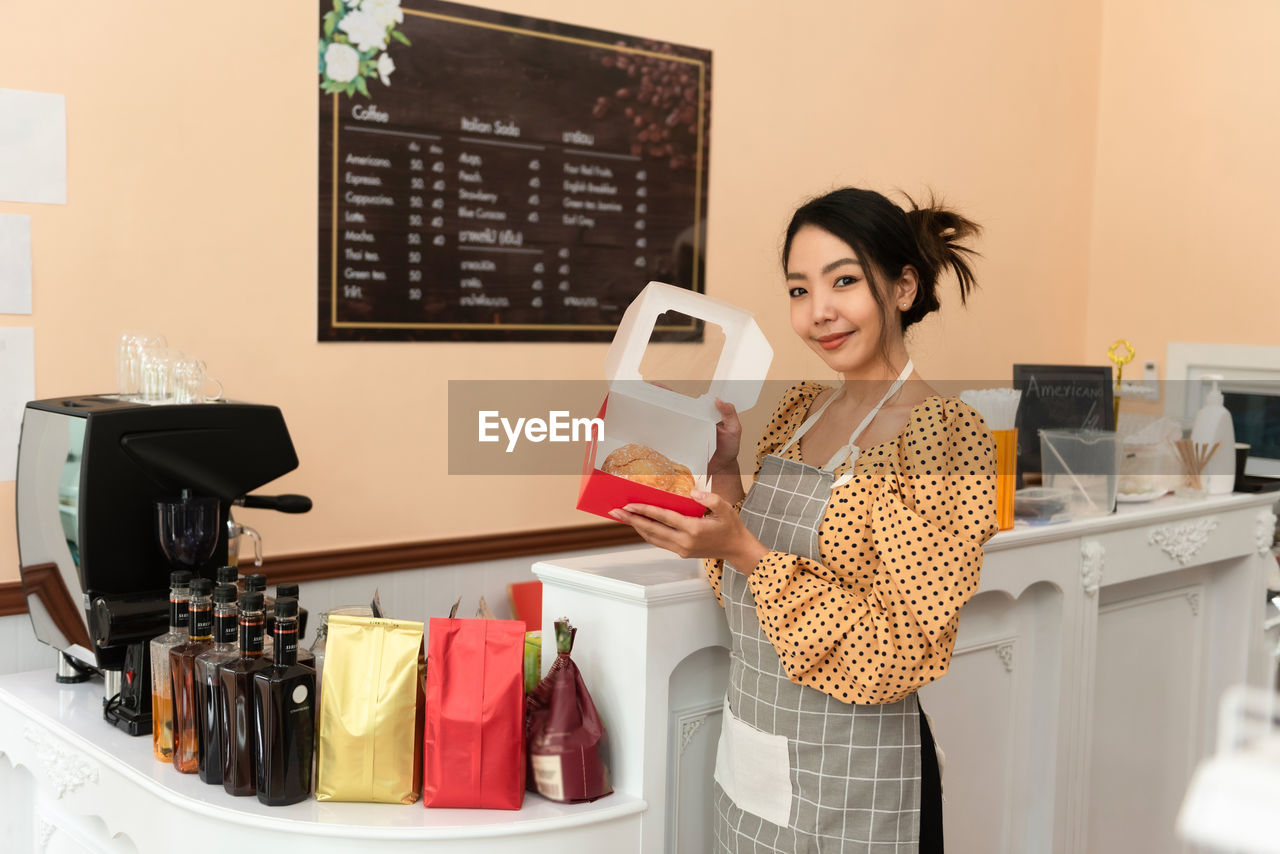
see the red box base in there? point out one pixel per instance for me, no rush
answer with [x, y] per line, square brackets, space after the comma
[600, 492]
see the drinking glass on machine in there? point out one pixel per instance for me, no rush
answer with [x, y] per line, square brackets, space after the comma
[129, 361]
[190, 379]
[156, 374]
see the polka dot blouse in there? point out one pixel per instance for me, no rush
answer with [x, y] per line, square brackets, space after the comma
[901, 550]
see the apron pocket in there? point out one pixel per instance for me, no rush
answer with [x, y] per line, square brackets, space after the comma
[754, 769]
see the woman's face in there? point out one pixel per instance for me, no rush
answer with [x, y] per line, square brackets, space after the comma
[832, 307]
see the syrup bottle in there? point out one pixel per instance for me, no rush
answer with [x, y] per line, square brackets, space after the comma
[228, 575]
[236, 717]
[305, 656]
[161, 689]
[182, 673]
[209, 686]
[284, 708]
[256, 582]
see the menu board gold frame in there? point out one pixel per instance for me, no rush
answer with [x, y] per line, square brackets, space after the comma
[487, 176]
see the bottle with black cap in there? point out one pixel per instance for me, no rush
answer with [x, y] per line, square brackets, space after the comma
[228, 575]
[161, 689]
[256, 582]
[284, 708]
[236, 716]
[289, 590]
[182, 673]
[209, 686]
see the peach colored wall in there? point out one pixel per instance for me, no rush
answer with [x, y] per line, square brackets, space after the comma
[192, 200]
[1188, 176]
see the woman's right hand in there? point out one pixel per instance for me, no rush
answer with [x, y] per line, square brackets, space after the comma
[728, 440]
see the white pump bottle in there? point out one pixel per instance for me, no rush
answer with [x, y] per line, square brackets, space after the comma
[1213, 425]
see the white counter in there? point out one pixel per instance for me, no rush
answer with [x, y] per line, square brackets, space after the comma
[69, 781]
[1083, 690]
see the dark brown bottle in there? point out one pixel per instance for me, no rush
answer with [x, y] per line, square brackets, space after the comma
[208, 684]
[284, 705]
[256, 582]
[182, 669]
[289, 590]
[236, 718]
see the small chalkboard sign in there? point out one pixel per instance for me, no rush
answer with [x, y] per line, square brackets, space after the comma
[1059, 397]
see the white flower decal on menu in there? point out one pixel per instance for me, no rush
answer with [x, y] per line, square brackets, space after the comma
[385, 67]
[342, 63]
[364, 30]
[386, 13]
[354, 42]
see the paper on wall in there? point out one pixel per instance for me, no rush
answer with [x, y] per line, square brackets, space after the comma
[17, 386]
[33, 147]
[15, 264]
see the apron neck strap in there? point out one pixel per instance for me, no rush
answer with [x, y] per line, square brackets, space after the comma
[846, 450]
[811, 420]
[843, 453]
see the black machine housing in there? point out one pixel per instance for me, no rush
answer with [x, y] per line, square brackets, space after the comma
[90, 470]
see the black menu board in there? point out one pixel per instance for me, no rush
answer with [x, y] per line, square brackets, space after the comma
[1060, 397]
[486, 176]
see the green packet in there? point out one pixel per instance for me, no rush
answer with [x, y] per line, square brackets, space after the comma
[532, 660]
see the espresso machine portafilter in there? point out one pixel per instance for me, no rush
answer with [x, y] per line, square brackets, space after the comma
[90, 470]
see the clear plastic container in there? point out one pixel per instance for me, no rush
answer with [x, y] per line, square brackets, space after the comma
[1037, 504]
[1086, 463]
[1147, 470]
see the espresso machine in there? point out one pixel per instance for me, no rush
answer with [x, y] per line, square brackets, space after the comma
[91, 470]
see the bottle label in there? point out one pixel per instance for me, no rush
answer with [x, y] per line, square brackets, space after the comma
[251, 635]
[286, 641]
[300, 693]
[225, 628]
[201, 622]
[178, 613]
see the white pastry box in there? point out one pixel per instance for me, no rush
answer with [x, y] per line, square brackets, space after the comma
[679, 426]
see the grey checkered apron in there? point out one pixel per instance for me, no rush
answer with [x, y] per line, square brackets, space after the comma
[855, 770]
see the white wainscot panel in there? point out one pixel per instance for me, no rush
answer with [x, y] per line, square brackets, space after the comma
[1147, 711]
[697, 689]
[1000, 691]
[19, 649]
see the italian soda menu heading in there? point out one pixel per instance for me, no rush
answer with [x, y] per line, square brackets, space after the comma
[486, 176]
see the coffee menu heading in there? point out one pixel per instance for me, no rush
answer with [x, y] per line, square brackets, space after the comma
[504, 177]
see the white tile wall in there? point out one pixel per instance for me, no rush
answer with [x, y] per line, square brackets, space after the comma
[414, 594]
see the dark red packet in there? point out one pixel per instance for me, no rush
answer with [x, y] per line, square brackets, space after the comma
[564, 733]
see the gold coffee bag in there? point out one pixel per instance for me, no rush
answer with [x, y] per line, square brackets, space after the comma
[370, 732]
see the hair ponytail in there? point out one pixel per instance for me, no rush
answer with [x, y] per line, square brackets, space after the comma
[940, 234]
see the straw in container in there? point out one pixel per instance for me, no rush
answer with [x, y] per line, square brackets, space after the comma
[999, 408]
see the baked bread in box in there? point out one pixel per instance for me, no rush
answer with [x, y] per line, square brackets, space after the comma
[645, 465]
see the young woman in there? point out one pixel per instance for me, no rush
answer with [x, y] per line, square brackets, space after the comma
[842, 572]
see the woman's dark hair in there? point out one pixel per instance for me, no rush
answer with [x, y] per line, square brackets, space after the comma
[888, 238]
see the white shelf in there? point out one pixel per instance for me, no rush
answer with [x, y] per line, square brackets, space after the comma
[58, 732]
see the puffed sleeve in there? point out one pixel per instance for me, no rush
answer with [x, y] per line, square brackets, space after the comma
[787, 418]
[930, 512]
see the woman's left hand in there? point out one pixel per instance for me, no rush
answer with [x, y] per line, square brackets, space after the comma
[718, 534]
